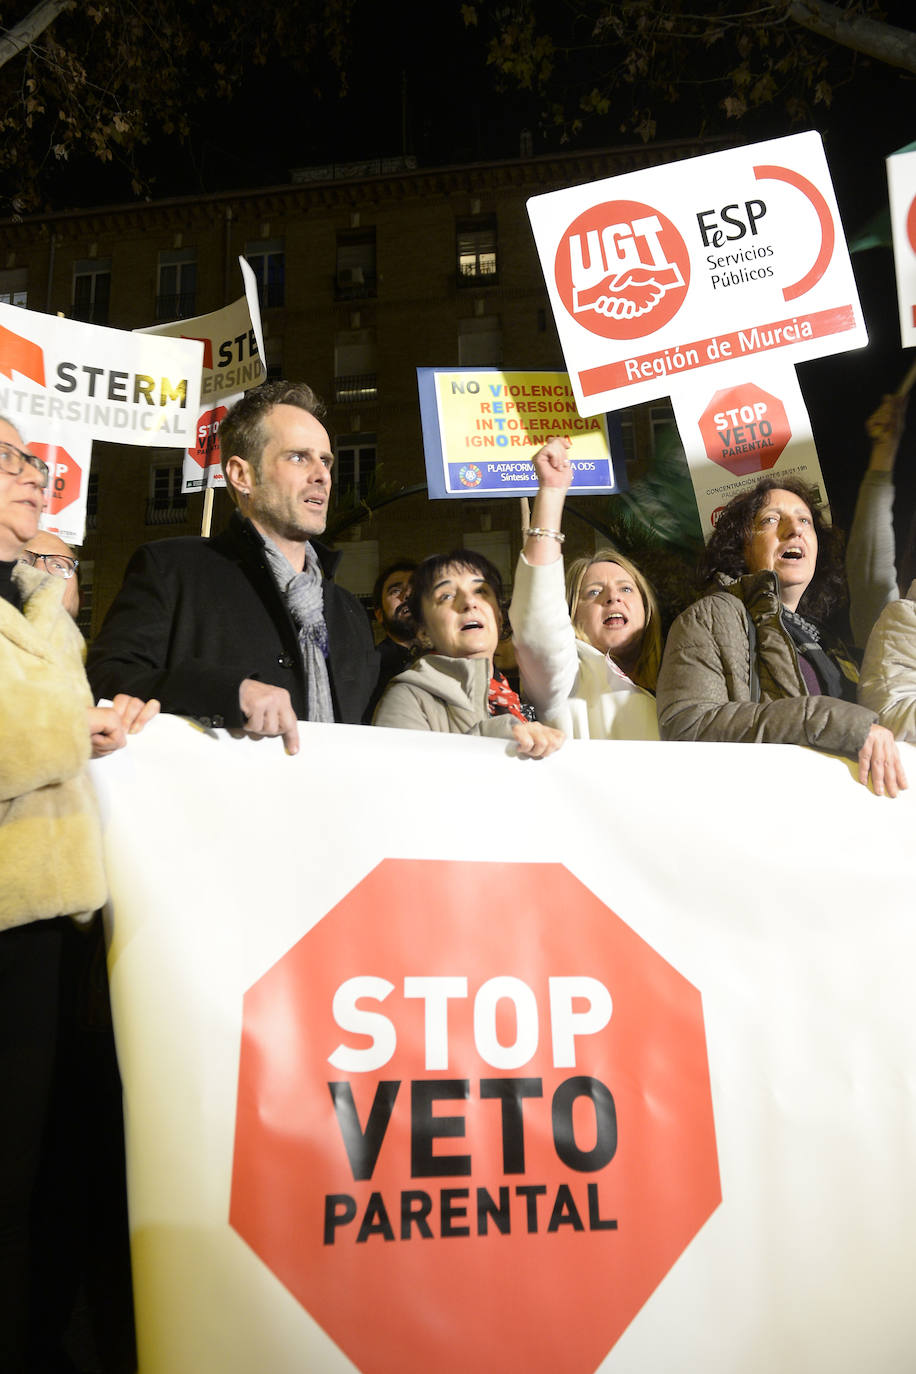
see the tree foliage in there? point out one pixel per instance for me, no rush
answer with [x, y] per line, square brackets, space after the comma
[631, 60]
[103, 79]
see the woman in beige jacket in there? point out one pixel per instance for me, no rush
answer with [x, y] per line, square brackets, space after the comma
[456, 606]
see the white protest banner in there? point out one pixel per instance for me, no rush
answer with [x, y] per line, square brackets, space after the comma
[736, 430]
[901, 184]
[233, 362]
[64, 383]
[661, 273]
[435, 1059]
[482, 427]
[62, 375]
[65, 505]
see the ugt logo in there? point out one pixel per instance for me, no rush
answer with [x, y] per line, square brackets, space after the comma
[622, 269]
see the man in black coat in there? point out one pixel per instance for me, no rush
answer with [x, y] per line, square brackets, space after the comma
[247, 630]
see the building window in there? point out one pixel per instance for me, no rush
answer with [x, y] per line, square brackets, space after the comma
[354, 467]
[476, 240]
[166, 504]
[662, 422]
[14, 285]
[91, 290]
[356, 274]
[626, 421]
[480, 342]
[355, 377]
[92, 501]
[643, 428]
[177, 291]
[267, 260]
[86, 575]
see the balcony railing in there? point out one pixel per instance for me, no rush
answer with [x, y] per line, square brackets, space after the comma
[355, 284]
[474, 276]
[174, 514]
[360, 386]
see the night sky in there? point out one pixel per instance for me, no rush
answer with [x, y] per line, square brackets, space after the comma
[418, 83]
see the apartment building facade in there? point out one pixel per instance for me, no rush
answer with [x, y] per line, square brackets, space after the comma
[365, 272]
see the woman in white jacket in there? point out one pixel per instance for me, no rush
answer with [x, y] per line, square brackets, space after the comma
[588, 653]
[888, 680]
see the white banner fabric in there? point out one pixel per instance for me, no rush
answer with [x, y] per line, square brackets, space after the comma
[233, 362]
[901, 184]
[701, 956]
[58, 376]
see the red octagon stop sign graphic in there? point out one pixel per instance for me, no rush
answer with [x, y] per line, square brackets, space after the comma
[745, 429]
[474, 1124]
[206, 451]
[66, 475]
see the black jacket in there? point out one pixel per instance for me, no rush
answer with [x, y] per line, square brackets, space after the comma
[195, 617]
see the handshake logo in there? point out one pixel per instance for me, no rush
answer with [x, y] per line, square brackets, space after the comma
[622, 270]
[627, 294]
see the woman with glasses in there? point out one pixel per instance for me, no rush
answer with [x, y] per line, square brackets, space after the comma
[50, 852]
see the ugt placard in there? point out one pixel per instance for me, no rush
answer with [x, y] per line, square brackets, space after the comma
[658, 274]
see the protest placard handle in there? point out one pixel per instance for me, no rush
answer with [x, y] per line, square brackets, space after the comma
[207, 517]
[906, 385]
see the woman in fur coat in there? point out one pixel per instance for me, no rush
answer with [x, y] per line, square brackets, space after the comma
[50, 852]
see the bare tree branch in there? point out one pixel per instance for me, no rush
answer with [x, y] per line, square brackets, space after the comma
[872, 37]
[23, 34]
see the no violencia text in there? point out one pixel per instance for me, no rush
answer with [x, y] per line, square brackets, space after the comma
[521, 412]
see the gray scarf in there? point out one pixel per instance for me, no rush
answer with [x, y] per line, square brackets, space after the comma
[303, 596]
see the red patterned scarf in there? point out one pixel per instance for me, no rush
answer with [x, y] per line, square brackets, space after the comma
[503, 701]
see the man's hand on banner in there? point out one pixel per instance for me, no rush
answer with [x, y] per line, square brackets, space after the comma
[134, 712]
[268, 712]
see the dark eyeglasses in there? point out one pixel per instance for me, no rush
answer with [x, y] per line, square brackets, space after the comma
[13, 460]
[57, 563]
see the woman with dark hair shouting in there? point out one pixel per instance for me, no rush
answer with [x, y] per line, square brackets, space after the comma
[456, 605]
[752, 661]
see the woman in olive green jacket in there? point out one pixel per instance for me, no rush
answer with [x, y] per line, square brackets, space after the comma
[751, 662]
